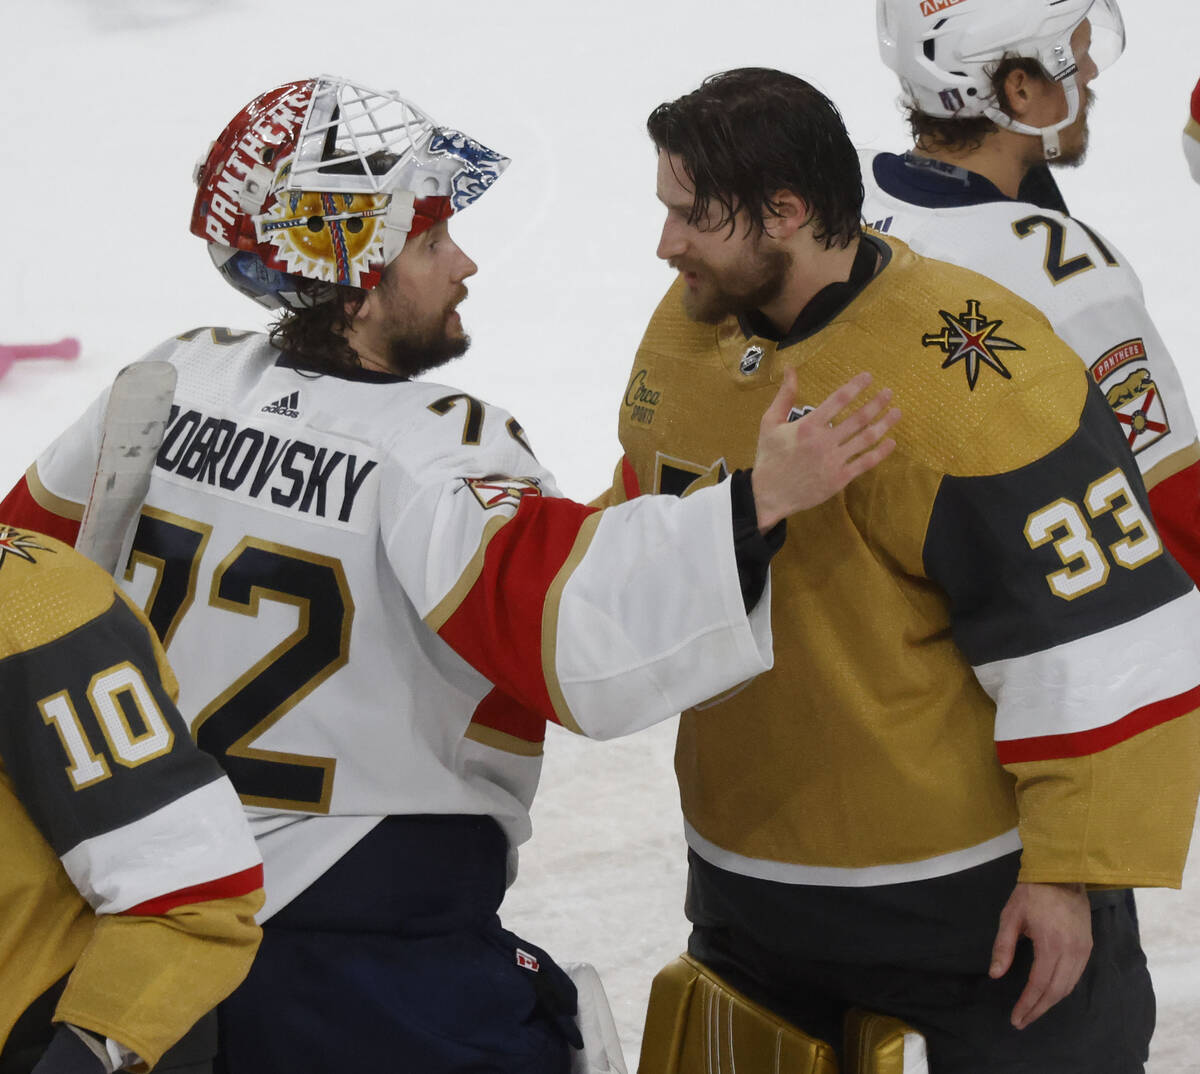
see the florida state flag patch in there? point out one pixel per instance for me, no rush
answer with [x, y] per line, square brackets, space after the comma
[1132, 394]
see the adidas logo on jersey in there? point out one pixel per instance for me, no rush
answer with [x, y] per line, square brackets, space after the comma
[288, 406]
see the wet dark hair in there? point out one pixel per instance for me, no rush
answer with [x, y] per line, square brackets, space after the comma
[747, 134]
[315, 336]
[968, 132]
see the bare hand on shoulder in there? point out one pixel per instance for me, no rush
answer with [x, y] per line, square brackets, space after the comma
[801, 464]
[1058, 919]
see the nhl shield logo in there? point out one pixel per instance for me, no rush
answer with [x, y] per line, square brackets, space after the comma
[751, 360]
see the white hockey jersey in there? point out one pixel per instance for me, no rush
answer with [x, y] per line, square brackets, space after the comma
[1086, 289]
[374, 596]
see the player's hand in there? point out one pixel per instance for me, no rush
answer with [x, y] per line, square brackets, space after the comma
[801, 464]
[1058, 919]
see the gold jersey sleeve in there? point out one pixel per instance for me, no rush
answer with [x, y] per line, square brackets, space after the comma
[142, 977]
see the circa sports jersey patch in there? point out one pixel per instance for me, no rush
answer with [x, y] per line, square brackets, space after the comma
[500, 491]
[970, 338]
[641, 399]
[19, 545]
[1132, 394]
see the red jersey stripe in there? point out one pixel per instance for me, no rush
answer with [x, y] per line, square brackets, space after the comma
[629, 479]
[227, 887]
[1083, 743]
[497, 627]
[1175, 504]
[20, 508]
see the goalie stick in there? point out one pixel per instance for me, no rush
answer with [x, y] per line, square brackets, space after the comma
[135, 419]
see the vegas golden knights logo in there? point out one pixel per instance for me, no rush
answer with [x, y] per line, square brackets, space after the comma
[971, 338]
[19, 545]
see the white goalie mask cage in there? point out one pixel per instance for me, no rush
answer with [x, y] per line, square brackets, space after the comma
[361, 141]
[944, 51]
[326, 179]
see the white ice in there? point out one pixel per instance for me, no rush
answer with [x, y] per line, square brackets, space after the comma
[107, 104]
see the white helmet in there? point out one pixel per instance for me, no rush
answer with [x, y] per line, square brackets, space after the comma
[946, 50]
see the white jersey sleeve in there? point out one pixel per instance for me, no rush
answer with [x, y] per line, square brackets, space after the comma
[604, 621]
[1093, 300]
[374, 597]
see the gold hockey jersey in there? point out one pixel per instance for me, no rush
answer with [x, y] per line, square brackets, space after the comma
[980, 645]
[127, 861]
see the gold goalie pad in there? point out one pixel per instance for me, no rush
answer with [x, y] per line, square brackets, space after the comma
[696, 1023]
[880, 1044]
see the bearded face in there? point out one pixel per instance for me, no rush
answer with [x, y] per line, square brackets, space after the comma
[714, 291]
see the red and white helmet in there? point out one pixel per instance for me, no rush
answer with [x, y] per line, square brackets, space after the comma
[325, 179]
[946, 50]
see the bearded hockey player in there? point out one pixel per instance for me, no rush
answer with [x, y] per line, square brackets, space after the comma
[375, 597]
[996, 89]
[130, 878]
[983, 709]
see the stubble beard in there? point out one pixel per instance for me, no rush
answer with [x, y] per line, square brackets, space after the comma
[415, 349]
[751, 286]
[1076, 154]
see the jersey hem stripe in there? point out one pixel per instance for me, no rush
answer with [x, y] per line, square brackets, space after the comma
[956, 861]
[502, 740]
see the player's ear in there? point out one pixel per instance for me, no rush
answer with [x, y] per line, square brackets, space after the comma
[1018, 92]
[358, 308]
[790, 213]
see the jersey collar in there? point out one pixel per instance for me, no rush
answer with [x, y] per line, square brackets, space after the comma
[931, 183]
[367, 376]
[873, 254]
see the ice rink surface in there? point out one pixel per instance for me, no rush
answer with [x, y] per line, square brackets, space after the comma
[109, 103]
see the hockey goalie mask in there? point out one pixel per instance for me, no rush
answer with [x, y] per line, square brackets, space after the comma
[946, 50]
[324, 180]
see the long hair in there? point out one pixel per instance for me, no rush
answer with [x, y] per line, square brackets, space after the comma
[747, 134]
[316, 335]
